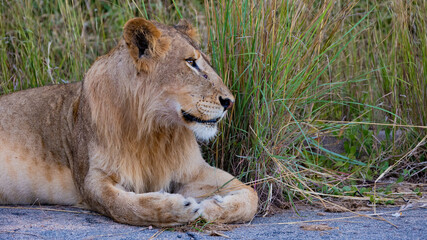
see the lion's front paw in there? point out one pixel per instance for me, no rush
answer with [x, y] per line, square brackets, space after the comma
[236, 206]
[212, 209]
[185, 209]
[165, 209]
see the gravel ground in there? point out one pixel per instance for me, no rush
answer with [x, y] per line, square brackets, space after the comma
[56, 222]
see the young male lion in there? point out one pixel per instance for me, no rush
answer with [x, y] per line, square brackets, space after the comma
[123, 141]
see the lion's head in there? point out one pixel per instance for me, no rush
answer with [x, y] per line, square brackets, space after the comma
[158, 78]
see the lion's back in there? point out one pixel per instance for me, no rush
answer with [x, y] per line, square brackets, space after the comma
[33, 130]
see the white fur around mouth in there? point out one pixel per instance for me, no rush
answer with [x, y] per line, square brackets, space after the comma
[204, 131]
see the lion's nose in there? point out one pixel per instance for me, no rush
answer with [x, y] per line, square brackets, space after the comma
[226, 103]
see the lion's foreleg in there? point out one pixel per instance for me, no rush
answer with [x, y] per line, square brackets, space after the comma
[155, 208]
[223, 198]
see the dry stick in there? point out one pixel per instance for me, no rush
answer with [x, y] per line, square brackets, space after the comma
[330, 219]
[307, 221]
[158, 233]
[382, 218]
[312, 221]
[370, 123]
[216, 233]
[23, 233]
[347, 197]
[48, 209]
[391, 167]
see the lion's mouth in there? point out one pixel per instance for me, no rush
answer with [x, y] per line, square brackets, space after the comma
[187, 116]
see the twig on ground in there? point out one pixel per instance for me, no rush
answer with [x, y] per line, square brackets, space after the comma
[23, 233]
[335, 219]
[157, 233]
[50, 209]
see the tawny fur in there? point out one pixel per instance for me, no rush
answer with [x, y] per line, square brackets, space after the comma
[119, 142]
[185, 27]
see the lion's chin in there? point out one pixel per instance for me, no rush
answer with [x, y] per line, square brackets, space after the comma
[203, 131]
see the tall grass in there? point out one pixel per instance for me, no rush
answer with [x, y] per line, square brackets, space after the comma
[300, 71]
[291, 63]
[45, 42]
[276, 55]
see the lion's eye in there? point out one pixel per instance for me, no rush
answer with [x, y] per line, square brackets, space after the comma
[192, 62]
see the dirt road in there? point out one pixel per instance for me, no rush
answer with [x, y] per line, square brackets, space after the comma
[55, 222]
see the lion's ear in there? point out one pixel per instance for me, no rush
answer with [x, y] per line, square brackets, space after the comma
[145, 43]
[185, 27]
